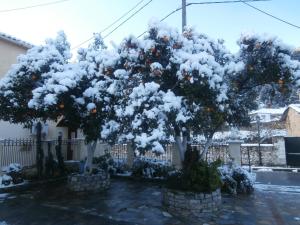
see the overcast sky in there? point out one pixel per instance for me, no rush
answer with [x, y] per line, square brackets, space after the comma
[81, 18]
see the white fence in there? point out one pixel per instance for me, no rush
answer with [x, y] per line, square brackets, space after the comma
[23, 151]
[20, 151]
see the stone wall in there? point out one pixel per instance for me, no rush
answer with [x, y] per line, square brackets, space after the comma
[191, 204]
[89, 182]
[273, 155]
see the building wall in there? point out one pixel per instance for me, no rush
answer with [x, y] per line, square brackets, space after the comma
[12, 131]
[16, 131]
[8, 55]
[293, 123]
[53, 131]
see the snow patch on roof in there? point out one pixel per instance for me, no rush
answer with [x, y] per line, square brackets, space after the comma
[243, 135]
[15, 40]
[269, 111]
[296, 107]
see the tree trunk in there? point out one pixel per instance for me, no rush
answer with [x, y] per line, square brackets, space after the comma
[181, 141]
[91, 147]
[39, 150]
[69, 147]
[206, 146]
[180, 147]
[59, 156]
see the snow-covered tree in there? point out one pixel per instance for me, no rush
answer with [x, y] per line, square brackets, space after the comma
[81, 93]
[175, 84]
[151, 91]
[209, 86]
[267, 63]
[30, 72]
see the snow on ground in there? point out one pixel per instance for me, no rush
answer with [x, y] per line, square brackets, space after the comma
[277, 188]
[4, 177]
[276, 111]
[11, 184]
[265, 170]
[125, 174]
[272, 168]
[4, 195]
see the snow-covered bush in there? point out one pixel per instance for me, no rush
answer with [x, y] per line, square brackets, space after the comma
[13, 167]
[151, 169]
[107, 163]
[237, 180]
[5, 180]
[143, 168]
[12, 174]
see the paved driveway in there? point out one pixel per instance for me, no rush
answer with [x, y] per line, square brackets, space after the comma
[129, 202]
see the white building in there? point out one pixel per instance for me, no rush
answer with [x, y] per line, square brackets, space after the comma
[267, 115]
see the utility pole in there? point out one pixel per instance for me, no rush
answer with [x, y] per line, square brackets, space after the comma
[183, 14]
[258, 134]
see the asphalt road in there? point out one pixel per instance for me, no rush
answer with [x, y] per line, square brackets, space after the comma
[278, 178]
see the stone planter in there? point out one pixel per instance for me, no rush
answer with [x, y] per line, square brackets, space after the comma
[89, 182]
[189, 204]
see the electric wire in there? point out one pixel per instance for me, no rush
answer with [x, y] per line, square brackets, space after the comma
[127, 19]
[136, 12]
[33, 6]
[274, 17]
[202, 3]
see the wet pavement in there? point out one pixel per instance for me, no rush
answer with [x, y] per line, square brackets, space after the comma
[278, 178]
[131, 202]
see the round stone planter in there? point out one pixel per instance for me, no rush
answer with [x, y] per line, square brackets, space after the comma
[190, 204]
[89, 182]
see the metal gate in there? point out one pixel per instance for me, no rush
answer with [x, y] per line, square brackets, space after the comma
[292, 151]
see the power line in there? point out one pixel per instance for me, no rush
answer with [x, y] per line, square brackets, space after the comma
[274, 17]
[109, 26]
[171, 13]
[128, 19]
[202, 3]
[33, 6]
[226, 2]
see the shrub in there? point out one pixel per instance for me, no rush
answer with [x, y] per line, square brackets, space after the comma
[236, 180]
[5, 180]
[12, 173]
[151, 169]
[107, 163]
[196, 175]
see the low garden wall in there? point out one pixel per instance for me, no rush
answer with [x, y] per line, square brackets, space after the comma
[191, 204]
[89, 182]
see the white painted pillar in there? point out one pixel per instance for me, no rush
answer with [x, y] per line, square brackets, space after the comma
[279, 148]
[130, 155]
[176, 161]
[234, 147]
